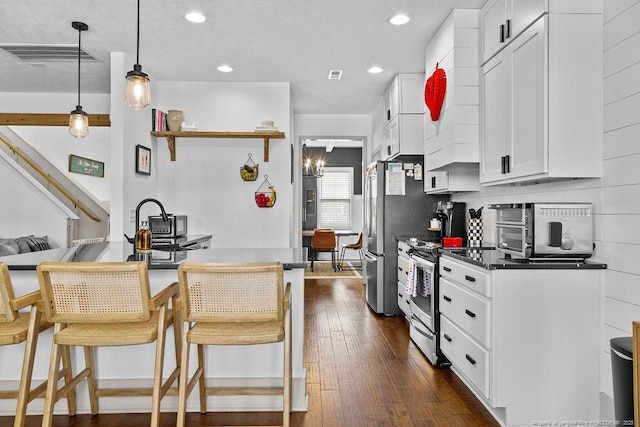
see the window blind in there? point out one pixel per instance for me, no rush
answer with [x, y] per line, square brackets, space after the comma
[336, 188]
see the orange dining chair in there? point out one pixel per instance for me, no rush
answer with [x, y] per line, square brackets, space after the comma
[233, 304]
[354, 246]
[17, 327]
[94, 304]
[323, 240]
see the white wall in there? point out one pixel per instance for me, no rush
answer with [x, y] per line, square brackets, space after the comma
[55, 142]
[204, 182]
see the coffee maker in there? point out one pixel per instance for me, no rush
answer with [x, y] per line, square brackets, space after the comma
[452, 216]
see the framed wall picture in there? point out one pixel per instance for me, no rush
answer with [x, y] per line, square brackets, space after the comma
[143, 160]
[86, 166]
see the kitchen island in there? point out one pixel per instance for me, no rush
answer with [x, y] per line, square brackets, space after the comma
[133, 366]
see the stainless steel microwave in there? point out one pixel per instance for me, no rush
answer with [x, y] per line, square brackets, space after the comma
[544, 230]
[174, 227]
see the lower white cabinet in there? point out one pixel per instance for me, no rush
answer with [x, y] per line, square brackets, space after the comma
[404, 299]
[525, 341]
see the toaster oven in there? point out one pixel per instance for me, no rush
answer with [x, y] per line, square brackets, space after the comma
[544, 230]
[175, 226]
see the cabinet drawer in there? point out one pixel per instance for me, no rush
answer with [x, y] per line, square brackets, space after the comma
[466, 355]
[403, 269]
[403, 249]
[467, 276]
[403, 300]
[467, 310]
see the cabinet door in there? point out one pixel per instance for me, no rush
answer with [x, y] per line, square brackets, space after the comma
[390, 102]
[492, 19]
[391, 143]
[528, 141]
[494, 114]
[522, 14]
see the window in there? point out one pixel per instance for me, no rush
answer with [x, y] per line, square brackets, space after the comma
[335, 190]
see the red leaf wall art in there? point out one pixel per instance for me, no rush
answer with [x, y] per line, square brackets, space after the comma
[434, 91]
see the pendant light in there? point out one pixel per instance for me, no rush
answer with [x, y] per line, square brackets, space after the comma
[78, 119]
[138, 93]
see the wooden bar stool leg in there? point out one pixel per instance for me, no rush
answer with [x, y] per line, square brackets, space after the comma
[91, 378]
[27, 367]
[159, 363]
[202, 381]
[286, 398]
[54, 364]
[183, 383]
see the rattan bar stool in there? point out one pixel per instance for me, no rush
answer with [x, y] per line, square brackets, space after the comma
[93, 304]
[17, 327]
[233, 304]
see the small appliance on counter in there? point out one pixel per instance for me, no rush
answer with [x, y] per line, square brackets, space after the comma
[174, 226]
[544, 230]
[453, 222]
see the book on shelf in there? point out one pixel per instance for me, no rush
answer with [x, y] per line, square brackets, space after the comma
[265, 129]
[158, 120]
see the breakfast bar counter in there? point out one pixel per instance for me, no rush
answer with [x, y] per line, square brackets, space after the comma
[259, 365]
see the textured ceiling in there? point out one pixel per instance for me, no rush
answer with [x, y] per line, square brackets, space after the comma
[296, 41]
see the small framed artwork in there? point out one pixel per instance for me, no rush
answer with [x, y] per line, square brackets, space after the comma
[143, 160]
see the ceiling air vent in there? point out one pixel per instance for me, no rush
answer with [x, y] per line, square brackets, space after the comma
[335, 74]
[47, 52]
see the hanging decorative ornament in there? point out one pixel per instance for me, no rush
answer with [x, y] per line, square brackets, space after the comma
[434, 91]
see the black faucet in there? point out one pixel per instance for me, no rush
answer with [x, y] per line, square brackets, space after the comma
[162, 212]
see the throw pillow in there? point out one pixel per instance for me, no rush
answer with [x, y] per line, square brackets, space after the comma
[10, 247]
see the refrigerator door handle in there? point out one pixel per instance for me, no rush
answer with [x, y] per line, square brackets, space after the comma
[369, 257]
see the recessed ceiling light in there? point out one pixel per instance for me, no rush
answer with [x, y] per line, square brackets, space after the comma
[399, 19]
[225, 69]
[374, 70]
[195, 17]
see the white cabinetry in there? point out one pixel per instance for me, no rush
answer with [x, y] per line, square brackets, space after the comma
[524, 341]
[541, 103]
[404, 300]
[451, 143]
[403, 111]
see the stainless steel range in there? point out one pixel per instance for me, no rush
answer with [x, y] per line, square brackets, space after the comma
[425, 313]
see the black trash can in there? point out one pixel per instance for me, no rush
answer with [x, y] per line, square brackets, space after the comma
[622, 370]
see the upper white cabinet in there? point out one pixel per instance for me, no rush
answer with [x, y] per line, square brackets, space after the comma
[403, 110]
[405, 95]
[501, 21]
[451, 144]
[541, 103]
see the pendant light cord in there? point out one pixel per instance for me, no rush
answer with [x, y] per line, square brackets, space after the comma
[138, 37]
[79, 40]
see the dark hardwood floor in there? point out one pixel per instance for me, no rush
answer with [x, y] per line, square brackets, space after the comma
[362, 370]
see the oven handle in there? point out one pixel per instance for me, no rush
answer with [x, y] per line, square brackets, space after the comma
[421, 262]
[425, 334]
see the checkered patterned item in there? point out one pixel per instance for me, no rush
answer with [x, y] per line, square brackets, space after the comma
[474, 232]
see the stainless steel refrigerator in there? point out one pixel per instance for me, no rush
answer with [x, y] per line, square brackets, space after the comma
[389, 216]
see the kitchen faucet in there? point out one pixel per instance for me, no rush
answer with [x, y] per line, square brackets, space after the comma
[162, 212]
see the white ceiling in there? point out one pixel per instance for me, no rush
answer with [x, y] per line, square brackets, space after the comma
[295, 41]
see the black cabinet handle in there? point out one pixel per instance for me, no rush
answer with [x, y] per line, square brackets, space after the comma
[446, 298]
[388, 150]
[470, 313]
[470, 278]
[447, 269]
[433, 182]
[502, 167]
[400, 268]
[447, 337]
[502, 33]
[388, 114]
[507, 163]
[470, 359]
[508, 35]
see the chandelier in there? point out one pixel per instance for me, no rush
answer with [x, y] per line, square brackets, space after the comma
[312, 167]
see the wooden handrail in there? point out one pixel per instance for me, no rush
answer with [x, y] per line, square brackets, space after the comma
[42, 173]
[38, 119]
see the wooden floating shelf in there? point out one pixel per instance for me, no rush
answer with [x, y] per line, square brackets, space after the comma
[172, 135]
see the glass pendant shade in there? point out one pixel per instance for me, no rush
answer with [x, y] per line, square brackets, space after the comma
[78, 123]
[138, 92]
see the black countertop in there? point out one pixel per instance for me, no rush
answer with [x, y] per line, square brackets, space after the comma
[157, 259]
[492, 259]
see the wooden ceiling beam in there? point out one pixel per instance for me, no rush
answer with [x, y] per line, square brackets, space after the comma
[35, 119]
